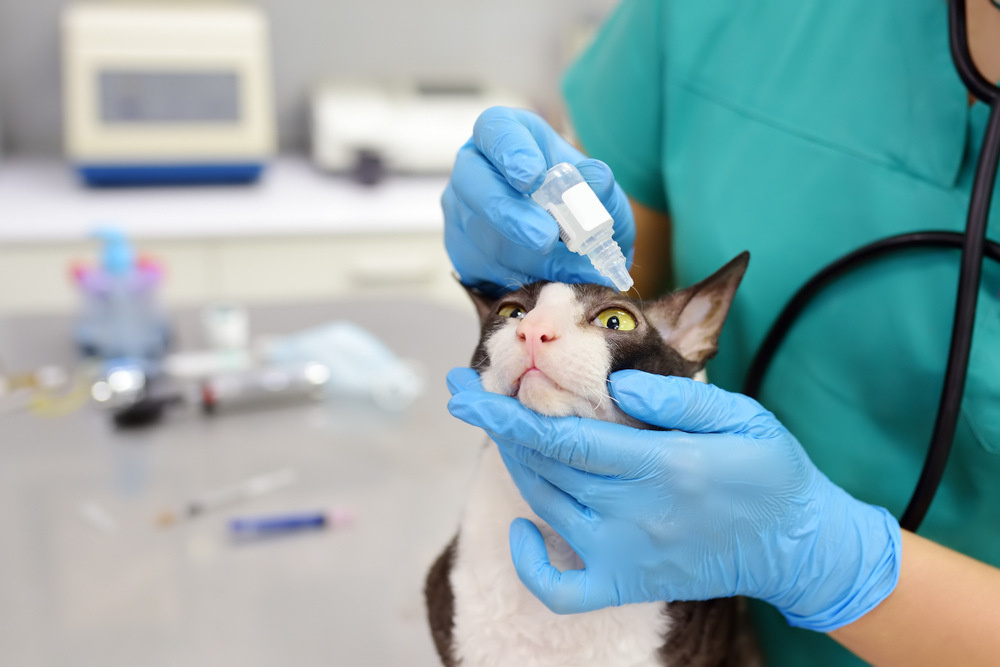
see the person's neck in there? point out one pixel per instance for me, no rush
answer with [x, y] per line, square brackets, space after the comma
[984, 39]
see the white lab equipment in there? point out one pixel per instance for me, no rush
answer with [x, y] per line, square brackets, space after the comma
[160, 93]
[413, 129]
[585, 226]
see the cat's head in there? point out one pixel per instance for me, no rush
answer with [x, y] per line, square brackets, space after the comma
[553, 345]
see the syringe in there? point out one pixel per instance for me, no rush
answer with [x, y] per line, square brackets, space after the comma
[585, 226]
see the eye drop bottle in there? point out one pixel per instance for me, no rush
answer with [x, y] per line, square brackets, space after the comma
[585, 226]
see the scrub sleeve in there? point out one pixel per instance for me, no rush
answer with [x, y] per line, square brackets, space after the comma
[801, 131]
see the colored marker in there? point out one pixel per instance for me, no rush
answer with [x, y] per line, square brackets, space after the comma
[250, 527]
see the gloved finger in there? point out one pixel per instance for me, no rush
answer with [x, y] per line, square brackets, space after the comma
[555, 507]
[583, 487]
[554, 147]
[463, 379]
[484, 258]
[520, 268]
[593, 446]
[688, 405]
[562, 592]
[600, 178]
[521, 145]
[474, 254]
[477, 183]
[503, 138]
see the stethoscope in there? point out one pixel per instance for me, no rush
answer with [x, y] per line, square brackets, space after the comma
[974, 247]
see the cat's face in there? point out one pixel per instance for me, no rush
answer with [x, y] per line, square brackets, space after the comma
[553, 345]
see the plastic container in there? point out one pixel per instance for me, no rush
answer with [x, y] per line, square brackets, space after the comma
[121, 321]
[585, 226]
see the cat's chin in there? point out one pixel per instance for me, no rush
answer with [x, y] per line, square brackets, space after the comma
[540, 393]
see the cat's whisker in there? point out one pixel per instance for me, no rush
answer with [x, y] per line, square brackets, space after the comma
[600, 398]
[637, 297]
[514, 284]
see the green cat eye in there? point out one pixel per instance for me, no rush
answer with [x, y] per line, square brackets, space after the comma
[511, 310]
[616, 318]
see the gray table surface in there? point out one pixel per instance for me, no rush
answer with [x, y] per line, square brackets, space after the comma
[70, 594]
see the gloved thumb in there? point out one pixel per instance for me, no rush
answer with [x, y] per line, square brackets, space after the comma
[463, 379]
[599, 177]
[688, 405]
[562, 592]
[505, 137]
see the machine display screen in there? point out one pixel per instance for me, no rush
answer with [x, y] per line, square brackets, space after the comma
[132, 96]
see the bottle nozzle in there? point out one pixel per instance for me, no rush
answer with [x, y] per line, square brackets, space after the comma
[619, 276]
[608, 259]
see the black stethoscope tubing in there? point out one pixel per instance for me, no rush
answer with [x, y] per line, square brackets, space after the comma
[974, 246]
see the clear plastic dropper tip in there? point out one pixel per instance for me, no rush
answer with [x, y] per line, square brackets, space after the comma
[607, 258]
[620, 277]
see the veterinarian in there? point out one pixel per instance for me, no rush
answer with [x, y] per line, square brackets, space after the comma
[798, 131]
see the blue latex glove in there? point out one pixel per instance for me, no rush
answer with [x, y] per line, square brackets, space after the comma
[730, 504]
[496, 236]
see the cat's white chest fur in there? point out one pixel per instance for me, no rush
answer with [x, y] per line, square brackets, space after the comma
[498, 622]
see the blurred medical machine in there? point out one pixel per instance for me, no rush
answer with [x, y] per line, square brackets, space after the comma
[167, 92]
[371, 130]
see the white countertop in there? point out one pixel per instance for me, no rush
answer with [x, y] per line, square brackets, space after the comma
[42, 200]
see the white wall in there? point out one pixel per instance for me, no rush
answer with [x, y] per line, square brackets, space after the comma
[521, 45]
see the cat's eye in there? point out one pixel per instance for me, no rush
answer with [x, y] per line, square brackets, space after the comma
[615, 318]
[511, 310]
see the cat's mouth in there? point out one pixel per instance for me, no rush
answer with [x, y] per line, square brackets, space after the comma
[533, 375]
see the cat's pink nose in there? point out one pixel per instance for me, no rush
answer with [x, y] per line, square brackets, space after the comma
[534, 330]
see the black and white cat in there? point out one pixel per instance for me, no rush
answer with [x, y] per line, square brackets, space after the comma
[553, 345]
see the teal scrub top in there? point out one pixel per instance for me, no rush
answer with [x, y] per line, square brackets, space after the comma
[800, 131]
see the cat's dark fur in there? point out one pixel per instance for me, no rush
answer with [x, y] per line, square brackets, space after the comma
[674, 335]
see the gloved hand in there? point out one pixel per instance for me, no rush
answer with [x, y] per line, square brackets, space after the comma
[729, 504]
[496, 236]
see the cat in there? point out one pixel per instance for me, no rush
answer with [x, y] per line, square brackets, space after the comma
[553, 345]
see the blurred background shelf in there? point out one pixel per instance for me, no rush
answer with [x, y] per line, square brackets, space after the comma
[298, 234]
[44, 202]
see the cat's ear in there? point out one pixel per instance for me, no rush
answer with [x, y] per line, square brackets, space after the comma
[691, 319]
[483, 302]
